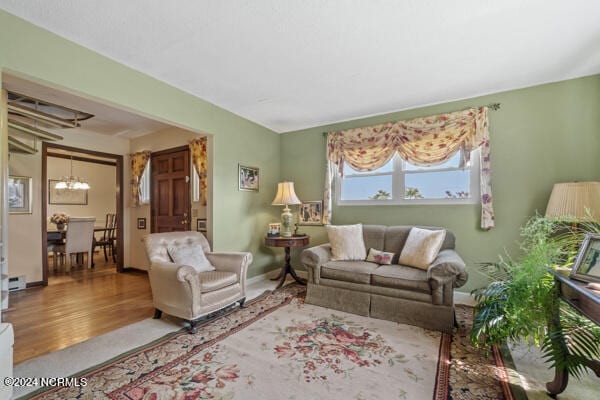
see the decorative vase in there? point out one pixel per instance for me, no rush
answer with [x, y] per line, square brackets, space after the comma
[60, 227]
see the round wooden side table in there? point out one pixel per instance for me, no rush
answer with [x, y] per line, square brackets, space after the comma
[287, 243]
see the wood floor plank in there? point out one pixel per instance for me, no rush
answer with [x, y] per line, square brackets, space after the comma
[75, 307]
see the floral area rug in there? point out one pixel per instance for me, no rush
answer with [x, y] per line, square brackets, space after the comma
[280, 348]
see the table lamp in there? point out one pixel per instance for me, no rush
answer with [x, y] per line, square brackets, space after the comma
[577, 200]
[284, 197]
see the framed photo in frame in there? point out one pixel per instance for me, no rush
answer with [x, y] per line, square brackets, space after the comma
[248, 178]
[62, 196]
[19, 195]
[311, 213]
[587, 264]
[201, 224]
[141, 223]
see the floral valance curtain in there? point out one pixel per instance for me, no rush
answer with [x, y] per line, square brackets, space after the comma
[138, 161]
[424, 141]
[198, 150]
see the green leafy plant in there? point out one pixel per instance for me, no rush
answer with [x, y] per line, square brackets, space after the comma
[521, 301]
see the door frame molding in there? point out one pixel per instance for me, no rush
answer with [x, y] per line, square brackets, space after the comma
[152, 199]
[119, 199]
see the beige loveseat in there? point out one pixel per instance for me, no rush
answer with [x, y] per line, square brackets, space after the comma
[392, 292]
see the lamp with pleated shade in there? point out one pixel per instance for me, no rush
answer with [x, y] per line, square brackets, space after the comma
[284, 197]
[575, 200]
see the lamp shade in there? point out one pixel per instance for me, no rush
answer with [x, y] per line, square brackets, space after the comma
[578, 200]
[285, 194]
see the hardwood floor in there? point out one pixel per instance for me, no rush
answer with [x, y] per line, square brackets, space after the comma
[75, 307]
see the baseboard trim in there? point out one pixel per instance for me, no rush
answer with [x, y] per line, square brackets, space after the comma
[34, 284]
[267, 275]
[464, 298]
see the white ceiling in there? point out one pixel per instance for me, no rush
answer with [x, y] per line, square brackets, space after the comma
[295, 64]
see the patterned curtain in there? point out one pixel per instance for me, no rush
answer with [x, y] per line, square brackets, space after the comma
[138, 165]
[424, 141]
[198, 150]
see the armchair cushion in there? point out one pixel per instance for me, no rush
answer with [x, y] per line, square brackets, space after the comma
[215, 280]
[192, 256]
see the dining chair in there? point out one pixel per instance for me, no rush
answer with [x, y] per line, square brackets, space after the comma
[79, 239]
[108, 236]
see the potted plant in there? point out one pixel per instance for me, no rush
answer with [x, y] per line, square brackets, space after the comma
[521, 301]
[60, 219]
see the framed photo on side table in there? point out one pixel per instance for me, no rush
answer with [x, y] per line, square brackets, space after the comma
[19, 195]
[311, 213]
[587, 264]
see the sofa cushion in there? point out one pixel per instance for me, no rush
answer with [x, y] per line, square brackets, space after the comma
[395, 238]
[346, 242]
[348, 271]
[401, 277]
[374, 236]
[379, 257]
[192, 256]
[422, 247]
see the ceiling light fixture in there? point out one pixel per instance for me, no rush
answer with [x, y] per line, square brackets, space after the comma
[72, 182]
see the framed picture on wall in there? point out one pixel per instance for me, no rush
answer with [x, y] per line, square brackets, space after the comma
[248, 178]
[311, 213]
[141, 223]
[201, 224]
[63, 196]
[19, 195]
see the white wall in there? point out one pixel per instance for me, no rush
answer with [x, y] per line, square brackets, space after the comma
[156, 141]
[102, 192]
[24, 230]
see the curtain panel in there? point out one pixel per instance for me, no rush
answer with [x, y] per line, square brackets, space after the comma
[426, 141]
[198, 150]
[138, 162]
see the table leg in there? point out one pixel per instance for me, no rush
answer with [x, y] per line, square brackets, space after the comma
[287, 268]
[561, 376]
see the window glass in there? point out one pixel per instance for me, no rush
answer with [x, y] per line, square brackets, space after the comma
[399, 182]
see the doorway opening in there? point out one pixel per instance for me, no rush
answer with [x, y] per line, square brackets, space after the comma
[105, 170]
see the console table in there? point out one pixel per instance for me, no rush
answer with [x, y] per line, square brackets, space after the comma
[287, 243]
[586, 302]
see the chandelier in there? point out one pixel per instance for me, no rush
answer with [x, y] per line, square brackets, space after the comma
[72, 182]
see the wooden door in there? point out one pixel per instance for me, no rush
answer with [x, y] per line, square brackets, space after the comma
[171, 190]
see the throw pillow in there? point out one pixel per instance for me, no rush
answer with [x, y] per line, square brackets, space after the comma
[380, 257]
[422, 247]
[192, 256]
[347, 242]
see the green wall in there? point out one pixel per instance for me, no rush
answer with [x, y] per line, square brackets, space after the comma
[240, 218]
[540, 136]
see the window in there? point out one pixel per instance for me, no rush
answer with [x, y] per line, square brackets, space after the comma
[399, 182]
[145, 185]
[195, 185]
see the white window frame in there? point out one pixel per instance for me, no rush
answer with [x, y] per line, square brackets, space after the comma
[145, 185]
[195, 184]
[398, 183]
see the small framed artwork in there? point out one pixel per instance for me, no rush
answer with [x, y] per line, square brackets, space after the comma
[311, 213]
[201, 224]
[141, 223]
[248, 178]
[587, 264]
[274, 230]
[64, 196]
[19, 195]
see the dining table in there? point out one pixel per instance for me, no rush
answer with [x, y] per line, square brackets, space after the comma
[57, 236]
